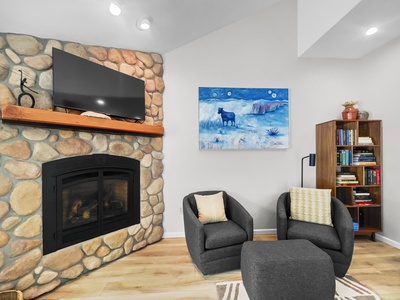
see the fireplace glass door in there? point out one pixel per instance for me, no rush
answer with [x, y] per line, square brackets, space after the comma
[91, 202]
[79, 201]
[83, 194]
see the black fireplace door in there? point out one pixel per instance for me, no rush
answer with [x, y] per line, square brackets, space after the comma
[88, 196]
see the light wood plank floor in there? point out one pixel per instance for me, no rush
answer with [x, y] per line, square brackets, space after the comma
[164, 271]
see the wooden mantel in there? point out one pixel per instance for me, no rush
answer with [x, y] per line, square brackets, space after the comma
[32, 115]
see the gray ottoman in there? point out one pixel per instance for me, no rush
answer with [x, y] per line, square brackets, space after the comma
[287, 269]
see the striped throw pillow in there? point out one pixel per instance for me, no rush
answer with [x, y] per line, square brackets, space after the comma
[311, 205]
[211, 208]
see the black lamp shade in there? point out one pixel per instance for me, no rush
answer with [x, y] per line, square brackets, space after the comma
[312, 160]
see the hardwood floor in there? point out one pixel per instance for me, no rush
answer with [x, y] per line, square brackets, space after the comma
[164, 271]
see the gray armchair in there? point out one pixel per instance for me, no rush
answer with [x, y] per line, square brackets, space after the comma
[216, 247]
[336, 241]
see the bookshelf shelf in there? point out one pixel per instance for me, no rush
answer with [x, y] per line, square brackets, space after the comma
[356, 205]
[341, 158]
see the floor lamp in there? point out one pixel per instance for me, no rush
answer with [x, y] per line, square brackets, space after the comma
[311, 164]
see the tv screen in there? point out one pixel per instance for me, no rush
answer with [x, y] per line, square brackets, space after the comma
[81, 84]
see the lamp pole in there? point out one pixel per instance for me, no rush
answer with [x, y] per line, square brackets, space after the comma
[311, 164]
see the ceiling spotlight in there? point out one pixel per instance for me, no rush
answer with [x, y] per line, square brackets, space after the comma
[371, 31]
[115, 8]
[144, 23]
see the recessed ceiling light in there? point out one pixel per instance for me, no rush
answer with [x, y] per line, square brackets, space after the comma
[144, 23]
[115, 8]
[371, 31]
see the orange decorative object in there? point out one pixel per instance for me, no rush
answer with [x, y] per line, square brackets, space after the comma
[349, 112]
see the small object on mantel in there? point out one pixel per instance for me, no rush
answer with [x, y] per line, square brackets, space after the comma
[95, 115]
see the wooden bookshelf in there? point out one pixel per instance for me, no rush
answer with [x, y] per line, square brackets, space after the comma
[32, 115]
[336, 146]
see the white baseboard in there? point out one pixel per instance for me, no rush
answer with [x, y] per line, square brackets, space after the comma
[168, 235]
[264, 231]
[387, 241]
[273, 231]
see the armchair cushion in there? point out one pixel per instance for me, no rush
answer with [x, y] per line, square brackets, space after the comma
[210, 208]
[223, 234]
[322, 236]
[311, 205]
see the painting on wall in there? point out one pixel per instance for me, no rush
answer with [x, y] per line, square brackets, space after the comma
[243, 118]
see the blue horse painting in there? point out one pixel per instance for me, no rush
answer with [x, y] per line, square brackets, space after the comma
[226, 116]
[243, 118]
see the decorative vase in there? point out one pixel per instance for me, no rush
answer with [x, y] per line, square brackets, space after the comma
[363, 115]
[349, 112]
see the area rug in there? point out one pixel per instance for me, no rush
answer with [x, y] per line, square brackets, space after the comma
[347, 288]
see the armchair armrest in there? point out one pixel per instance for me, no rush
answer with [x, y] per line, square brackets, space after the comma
[237, 213]
[194, 230]
[343, 224]
[282, 217]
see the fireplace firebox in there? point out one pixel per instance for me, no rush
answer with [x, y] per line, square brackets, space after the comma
[88, 196]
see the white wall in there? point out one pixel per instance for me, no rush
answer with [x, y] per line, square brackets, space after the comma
[260, 51]
[378, 75]
[316, 17]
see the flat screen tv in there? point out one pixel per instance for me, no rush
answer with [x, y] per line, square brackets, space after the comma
[83, 85]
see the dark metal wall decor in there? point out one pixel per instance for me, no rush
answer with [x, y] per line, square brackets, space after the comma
[24, 93]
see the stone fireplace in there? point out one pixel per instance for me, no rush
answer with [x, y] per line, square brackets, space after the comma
[26, 149]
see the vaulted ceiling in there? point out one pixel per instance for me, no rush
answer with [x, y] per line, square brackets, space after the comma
[178, 22]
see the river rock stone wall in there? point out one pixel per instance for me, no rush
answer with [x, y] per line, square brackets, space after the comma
[32, 56]
[23, 149]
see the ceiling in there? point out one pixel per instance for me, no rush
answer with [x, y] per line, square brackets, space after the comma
[175, 22]
[178, 22]
[346, 39]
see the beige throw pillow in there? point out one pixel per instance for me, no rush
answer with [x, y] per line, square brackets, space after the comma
[211, 208]
[311, 205]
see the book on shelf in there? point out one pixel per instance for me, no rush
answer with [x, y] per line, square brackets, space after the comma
[365, 163]
[355, 182]
[364, 152]
[342, 178]
[364, 203]
[378, 176]
[365, 140]
[344, 157]
[366, 200]
[372, 176]
[357, 158]
[355, 226]
[345, 136]
[362, 197]
[361, 192]
[345, 176]
[363, 158]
